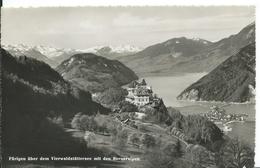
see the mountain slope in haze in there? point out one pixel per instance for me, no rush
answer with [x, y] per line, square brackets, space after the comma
[232, 81]
[218, 52]
[95, 73]
[113, 52]
[162, 56]
[33, 52]
[187, 55]
[36, 101]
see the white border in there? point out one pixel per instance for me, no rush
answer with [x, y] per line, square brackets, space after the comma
[57, 3]
[40, 3]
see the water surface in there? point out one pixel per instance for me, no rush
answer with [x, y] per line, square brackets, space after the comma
[169, 87]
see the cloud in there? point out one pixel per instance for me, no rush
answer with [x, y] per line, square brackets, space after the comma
[126, 19]
[78, 27]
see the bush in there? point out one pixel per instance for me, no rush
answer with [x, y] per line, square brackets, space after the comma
[158, 113]
[84, 122]
[197, 130]
[148, 140]
[173, 150]
[112, 96]
[126, 106]
[236, 154]
[121, 140]
[75, 123]
[134, 138]
[199, 157]
[200, 130]
[124, 116]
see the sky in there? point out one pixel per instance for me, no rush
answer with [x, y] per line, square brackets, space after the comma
[84, 27]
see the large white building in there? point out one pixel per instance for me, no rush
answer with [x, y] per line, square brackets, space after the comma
[139, 93]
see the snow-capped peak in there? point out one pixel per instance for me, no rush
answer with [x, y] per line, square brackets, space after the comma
[52, 52]
[114, 49]
[48, 51]
[200, 40]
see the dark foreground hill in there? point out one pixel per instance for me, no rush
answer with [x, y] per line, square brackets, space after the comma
[95, 73]
[35, 100]
[231, 81]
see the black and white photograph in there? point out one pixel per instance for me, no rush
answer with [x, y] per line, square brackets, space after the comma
[128, 86]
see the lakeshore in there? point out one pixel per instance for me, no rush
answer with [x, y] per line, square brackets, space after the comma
[173, 85]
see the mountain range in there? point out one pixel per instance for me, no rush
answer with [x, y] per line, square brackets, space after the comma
[172, 56]
[187, 55]
[54, 56]
[89, 70]
[33, 52]
[95, 73]
[231, 81]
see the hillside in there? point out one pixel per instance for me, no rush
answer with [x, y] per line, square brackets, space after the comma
[36, 101]
[95, 73]
[231, 81]
[187, 55]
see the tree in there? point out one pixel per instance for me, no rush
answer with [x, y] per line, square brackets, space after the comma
[173, 150]
[126, 106]
[199, 157]
[156, 158]
[59, 121]
[178, 149]
[148, 140]
[75, 123]
[92, 124]
[237, 155]
[112, 96]
[124, 116]
[134, 138]
[84, 122]
[200, 130]
[122, 137]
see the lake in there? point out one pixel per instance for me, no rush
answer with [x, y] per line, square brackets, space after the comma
[169, 87]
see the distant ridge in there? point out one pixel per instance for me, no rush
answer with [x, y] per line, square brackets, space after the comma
[187, 55]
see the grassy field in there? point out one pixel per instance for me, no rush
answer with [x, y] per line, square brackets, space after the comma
[105, 142]
[110, 148]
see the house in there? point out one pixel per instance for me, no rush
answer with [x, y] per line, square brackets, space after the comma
[139, 93]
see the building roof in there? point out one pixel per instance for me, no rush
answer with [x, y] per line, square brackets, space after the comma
[133, 84]
[143, 92]
[143, 83]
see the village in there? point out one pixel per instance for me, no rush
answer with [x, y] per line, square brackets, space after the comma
[218, 115]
